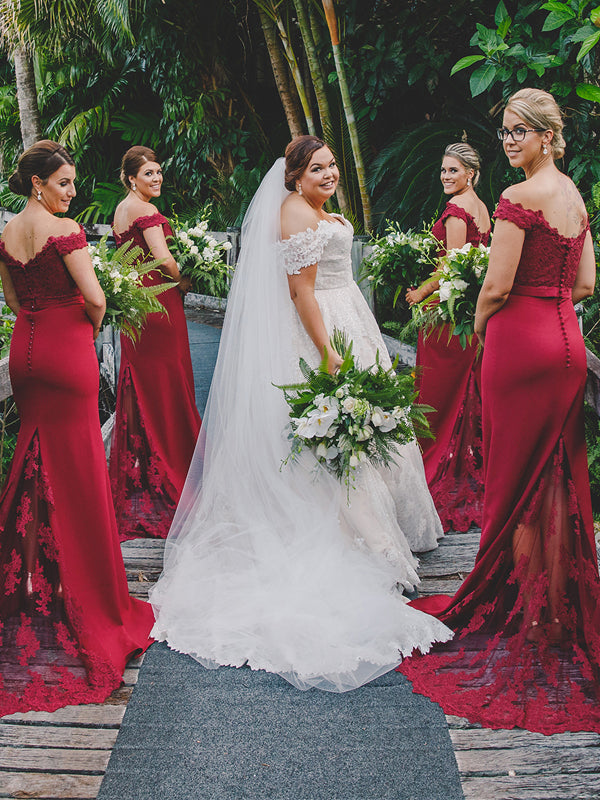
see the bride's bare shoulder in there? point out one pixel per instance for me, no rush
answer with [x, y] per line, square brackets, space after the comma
[297, 216]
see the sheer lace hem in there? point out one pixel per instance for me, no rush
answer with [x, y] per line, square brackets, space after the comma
[43, 665]
[527, 646]
[457, 487]
[305, 248]
[144, 498]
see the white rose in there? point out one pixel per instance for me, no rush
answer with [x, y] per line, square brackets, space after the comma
[349, 404]
[459, 284]
[445, 290]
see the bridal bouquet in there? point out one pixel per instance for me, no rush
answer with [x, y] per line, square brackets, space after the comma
[460, 274]
[200, 257]
[120, 272]
[354, 416]
[399, 258]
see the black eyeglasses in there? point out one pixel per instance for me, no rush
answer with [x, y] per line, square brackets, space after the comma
[518, 134]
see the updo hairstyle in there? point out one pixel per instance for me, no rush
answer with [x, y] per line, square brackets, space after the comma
[41, 159]
[540, 110]
[297, 157]
[132, 162]
[468, 157]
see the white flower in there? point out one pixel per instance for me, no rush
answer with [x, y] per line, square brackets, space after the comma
[459, 284]
[445, 290]
[364, 433]
[353, 461]
[325, 404]
[227, 245]
[363, 456]
[194, 250]
[207, 253]
[203, 226]
[133, 275]
[305, 427]
[349, 404]
[322, 451]
[384, 420]
[322, 419]
[464, 249]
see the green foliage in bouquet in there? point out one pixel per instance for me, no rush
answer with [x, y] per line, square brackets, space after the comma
[460, 274]
[200, 257]
[354, 416]
[398, 259]
[120, 273]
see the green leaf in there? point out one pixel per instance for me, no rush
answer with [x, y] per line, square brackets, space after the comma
[595, 16]
[482, 78]
[587, 45]
[557, 19]
[588, 91]
[522, 74]
[500, 14]
[466, 62]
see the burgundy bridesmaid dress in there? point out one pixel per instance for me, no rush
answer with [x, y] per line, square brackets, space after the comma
[526, 650]
[450, 382]
[68, 640]
[156, 421]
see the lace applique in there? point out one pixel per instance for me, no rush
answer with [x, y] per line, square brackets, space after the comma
[524, 218]
[68, 244]
[305, 248]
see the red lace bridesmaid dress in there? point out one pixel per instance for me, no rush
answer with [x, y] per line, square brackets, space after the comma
[156, 422]
[68, 640]
[450, 382]
[526, 650]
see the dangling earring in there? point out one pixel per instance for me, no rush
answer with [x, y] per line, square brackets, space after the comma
[299, 189]
[39, 196]
[468, 181]
[545, 150]
[134, 187]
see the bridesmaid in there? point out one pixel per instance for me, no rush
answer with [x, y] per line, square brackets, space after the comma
[527, 619]
[450, 380]
[68, 624]
[157, 421]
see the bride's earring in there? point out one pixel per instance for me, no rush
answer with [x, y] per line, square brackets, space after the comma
[545, 150]
[299, 189]
[468, 181]
[134, 187]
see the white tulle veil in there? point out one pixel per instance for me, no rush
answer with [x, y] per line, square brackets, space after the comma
[257, 567]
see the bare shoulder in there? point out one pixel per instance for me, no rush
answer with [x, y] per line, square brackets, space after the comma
[130, 209]
[65, 226]
[297, 216]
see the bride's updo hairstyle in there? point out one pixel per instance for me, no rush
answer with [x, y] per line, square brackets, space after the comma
[540, 110]
[41, 159]
[297, 158]
[133, 160]
[468, 157]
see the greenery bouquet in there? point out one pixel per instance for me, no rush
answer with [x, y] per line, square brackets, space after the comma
[354, 416]
[399, 258]
[120, 272]
[200, 257]
[460, 274]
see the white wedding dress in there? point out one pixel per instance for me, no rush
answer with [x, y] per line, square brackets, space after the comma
[269, 565]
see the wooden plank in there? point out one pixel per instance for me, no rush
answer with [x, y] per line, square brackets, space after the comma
[57, 736]
[429, 586]
[533, 787]
[94, 714]
[30, 784]
[54, 759]
[517, 739]
[5, 386]
[533, 760]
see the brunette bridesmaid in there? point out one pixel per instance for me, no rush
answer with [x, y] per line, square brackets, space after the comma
[67, 622]
[527, 619]
[450, 376]
[157, 422]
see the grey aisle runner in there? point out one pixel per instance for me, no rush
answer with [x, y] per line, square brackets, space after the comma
[235, 734]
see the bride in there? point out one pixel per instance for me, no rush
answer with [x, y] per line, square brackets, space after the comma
[270, 565]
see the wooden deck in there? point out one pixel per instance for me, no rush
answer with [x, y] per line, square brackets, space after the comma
[65, 754]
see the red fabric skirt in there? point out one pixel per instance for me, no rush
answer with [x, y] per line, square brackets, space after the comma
[68, 640]
[156, 423]
[450, 382]
[526, 650]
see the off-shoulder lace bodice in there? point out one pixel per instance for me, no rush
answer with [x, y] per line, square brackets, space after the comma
[135, 232]
[474, 235]
[44, 280]
[329, 245]
[548, 258]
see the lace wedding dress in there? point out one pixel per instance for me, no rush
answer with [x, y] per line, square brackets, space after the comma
[268, 564]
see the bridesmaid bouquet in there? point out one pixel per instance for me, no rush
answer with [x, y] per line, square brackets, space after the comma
[120, 272]
[460, 273]
[400, 258]
[200, 256]
[354, 416]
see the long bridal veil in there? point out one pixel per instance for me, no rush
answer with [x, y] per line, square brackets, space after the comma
[257, 567]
